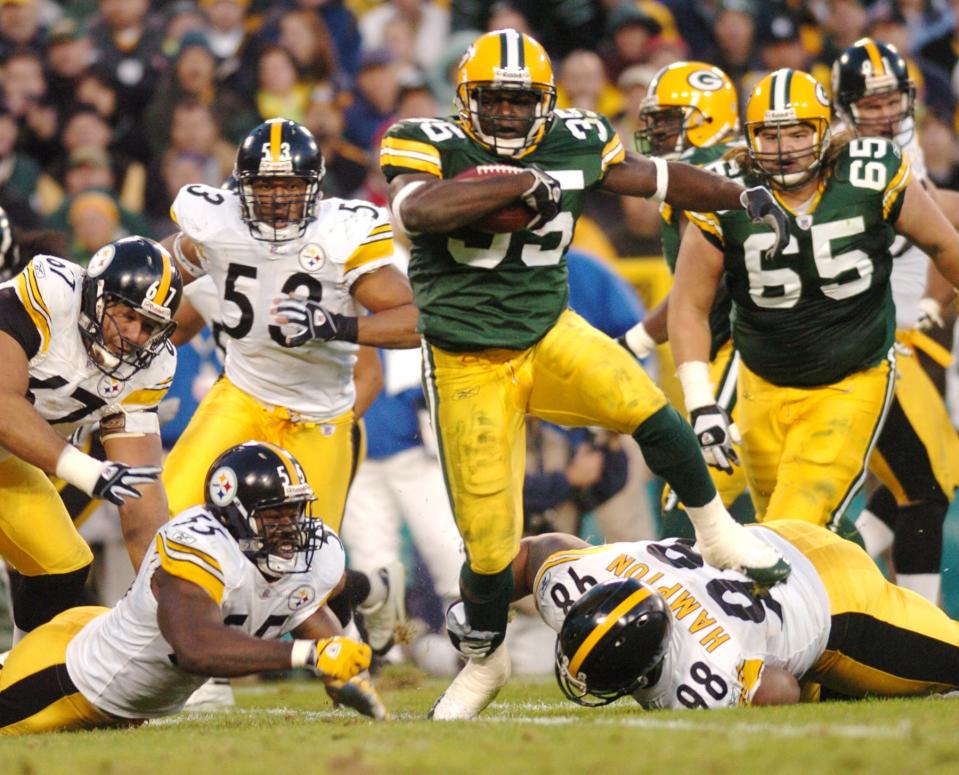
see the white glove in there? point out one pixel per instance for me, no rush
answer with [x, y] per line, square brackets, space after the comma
[638, 341]
[716, 435]
[930, 315]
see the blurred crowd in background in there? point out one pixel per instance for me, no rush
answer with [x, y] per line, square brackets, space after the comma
[110, 106]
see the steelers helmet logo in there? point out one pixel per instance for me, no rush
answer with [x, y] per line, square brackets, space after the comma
[312, 257]
[705, 80]
[223, 486]
[101, 260]
[821, 95]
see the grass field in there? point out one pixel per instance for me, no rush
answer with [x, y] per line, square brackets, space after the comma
[290, 727]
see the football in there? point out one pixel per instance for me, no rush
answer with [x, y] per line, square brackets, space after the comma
[512, 217]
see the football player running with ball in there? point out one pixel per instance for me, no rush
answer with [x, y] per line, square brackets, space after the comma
[815, 325]
[500, 341]
[221, 584]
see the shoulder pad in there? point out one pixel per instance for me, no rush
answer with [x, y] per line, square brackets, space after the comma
[356, 232]
[415, 145]
[195, 547]
[51, 285]
[200, 211]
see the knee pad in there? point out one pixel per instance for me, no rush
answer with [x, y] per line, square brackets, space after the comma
[37, 599]
[883, 504]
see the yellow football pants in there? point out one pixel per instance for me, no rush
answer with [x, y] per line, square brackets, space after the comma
[227, 416]
[884, 641]
[37, 536]
[805, 450]
[36, 692]
[574, 376]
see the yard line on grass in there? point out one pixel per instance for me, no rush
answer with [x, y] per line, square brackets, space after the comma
[514, 713]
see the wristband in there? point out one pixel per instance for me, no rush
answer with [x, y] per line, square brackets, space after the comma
[697, 388]
[182, 260]
[347, 328]
[639, 342]
[303, 654]
[662, 179]
[78, 469]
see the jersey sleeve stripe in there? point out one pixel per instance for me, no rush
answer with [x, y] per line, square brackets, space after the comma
[399, 147]
[613, 153]
[380, 248]
[562, 557]
[706, 222]
[147, 397]
[35, 290]
[174, 547]
[749, 673]
[601, 629]
[895, 187]
[190, 571]
[36, 313]
[404, 159]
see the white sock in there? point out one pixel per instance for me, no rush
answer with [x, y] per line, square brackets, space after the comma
[378, 592]
[710, 520]
[875, 533]
[925, 584]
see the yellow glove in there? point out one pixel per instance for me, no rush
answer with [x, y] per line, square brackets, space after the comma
[338, 658]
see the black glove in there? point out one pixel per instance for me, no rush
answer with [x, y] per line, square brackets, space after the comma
[118, 481]
[543, 197]
[312, 321]
[762, 207]
[716, 436]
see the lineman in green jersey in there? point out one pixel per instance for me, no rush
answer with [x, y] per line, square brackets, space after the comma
[814, 325]
[499, 339]
[690, 112]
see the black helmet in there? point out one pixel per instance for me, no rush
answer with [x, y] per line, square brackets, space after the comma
[278, 148]
[138, 272]
[869, 68]
[606, 657]
[10, 263]
[253, 477]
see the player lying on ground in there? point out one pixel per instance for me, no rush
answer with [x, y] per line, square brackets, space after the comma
[219, 586]
[653, 620]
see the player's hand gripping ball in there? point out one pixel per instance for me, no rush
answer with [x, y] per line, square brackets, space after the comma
[514, 216]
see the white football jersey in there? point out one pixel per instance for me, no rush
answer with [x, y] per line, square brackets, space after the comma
[348, 239]
[121, 662]
[722, 635]
[66, 387]
[910, 265]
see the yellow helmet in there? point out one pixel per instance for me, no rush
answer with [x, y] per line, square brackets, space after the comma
[505, 60]
[783, 99]
[687, 104]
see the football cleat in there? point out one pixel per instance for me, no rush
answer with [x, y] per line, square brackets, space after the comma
[475, 687]
[359, 694]
[384, 620]
[737, 548]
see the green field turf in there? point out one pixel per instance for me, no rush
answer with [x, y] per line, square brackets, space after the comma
[289, 727]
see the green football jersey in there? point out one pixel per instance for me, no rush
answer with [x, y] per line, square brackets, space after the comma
[710, 158]
[823, 308]
[477, 290]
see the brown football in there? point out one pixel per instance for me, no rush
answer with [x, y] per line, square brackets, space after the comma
[512, 217]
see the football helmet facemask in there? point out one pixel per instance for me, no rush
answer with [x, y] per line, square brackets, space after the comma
[781, 101]
[141, 274]
[278, 151]
[259, 493]
[506, 65]
[869, 68]
[612, 642]
[687, 104]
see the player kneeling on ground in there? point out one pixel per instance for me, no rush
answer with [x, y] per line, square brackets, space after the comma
[219, 585]
[651, 619]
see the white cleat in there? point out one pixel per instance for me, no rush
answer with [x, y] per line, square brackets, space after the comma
[739, 549]
[216, 694]
[474, 688]
[383, 621]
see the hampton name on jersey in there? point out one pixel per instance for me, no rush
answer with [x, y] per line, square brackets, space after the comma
[66, 387]
[823, 309]
[722, 634]
[477, 290]
[120, 661]
[348, 239]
